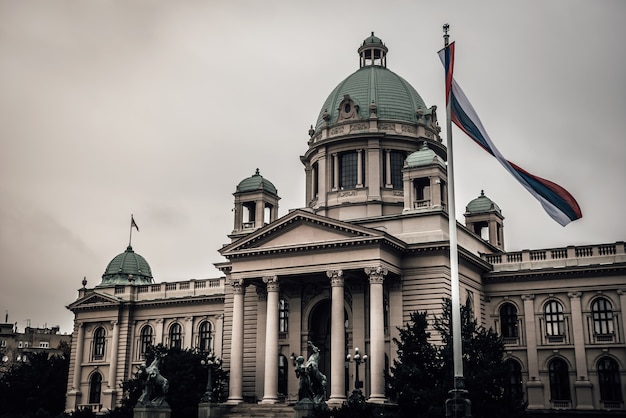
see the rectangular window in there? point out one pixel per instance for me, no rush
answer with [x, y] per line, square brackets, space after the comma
[348, 170]
[44, 344]
[397, 163]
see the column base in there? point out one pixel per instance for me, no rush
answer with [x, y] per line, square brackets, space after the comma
[234, 401]
[269, 401]
[377, 399]
[534, 388]
[336, 402]
[584, 394]
[209, 410]
[142, 412]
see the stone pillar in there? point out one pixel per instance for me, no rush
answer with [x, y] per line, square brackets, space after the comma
[335, 185]
[622, 303]
[388, 183]
[235, 385]
[359, 168]
[219, 332]
[259, 217]
[115, 340]
[270, 382]
[188, 332]
[338, 339]
[78, 362]
[158, 338]
[377, 334]
[582, 385]
[533, 385]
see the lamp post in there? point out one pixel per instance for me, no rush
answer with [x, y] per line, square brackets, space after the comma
[357, 359]
[211, 363]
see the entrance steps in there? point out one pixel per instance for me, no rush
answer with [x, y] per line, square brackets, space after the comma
[249, 410]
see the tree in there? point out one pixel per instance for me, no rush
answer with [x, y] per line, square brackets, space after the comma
[484, 368]
[417, 363]
[423, 373]
[36, 386]
[187, 382]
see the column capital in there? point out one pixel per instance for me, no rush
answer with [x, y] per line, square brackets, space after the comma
[159, 320]
[336, 277]
[271, 282]
[376, 274]
[621, 292]
[574, 295]
[238, 288]
[528, 297]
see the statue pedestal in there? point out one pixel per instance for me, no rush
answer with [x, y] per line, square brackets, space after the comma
[209, 410]
[142, 412]
[305, 407]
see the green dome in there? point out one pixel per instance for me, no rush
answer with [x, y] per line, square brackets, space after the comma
[482, 204]
[127, 268]
[423, 157]
[374, 85]
[256, 183]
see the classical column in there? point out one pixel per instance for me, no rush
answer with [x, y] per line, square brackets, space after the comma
[335, 172]
[388, 183]
[114, 349]
[582, 386]
[622, 303]
[235, 386]
[337, 338]
[188, 332]
[377, 334]
[78, 361]
[270, 383]
[359, 168]
[534, 386]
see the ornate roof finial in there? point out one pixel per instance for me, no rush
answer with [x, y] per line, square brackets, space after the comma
[446, 37]
[84, 281]
[257, 172]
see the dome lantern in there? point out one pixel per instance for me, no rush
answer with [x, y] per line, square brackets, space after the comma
[373, 52]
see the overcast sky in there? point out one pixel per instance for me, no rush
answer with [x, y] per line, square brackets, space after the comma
[160, 108]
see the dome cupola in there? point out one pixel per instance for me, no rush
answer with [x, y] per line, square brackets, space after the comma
[127, 268]
[366, 128]
[256, 204]
[484, 217]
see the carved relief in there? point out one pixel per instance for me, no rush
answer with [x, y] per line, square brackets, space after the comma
[358, 127]
[409, 129]
[336, 277]
[348, 193]
[336, 130]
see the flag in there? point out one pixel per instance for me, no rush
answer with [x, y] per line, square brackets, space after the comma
[133, 223]
[556, 201]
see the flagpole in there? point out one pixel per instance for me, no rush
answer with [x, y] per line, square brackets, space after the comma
[454, 253]
[130, 238]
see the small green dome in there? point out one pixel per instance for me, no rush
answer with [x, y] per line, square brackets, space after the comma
[482, 204]
[256, 183]
[423, 157]
[127, 268]
[374, 85]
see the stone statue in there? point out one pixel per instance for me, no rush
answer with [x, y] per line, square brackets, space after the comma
[155, 386]
[312, 384]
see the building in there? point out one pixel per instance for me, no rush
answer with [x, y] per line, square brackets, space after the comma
[19, 346]
[369, 247]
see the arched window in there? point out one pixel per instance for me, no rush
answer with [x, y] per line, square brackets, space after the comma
[283, 373]
[513, 385]
[602, 314]
[555, 320]
[205, 337]
[283, 315]
[95, 386]
[146, 339]
[608, 375]
[559, 380]
[98, 343]
[176, 334]
[508, 321]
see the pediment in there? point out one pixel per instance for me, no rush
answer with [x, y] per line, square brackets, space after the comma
[298, 229]
[94, 300]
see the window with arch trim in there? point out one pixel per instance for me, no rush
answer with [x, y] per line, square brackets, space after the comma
[559, 380]
[99, 338]
[555, 319]
[283, 374]
[602, 314]
[610, 384]
[205, 336]
[283, 315]
[95, 388]
[176, 336]
[513, 388]
[145, 338]
[508, 321]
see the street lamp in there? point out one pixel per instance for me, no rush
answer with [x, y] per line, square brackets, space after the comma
[211, 363]
[357, 359]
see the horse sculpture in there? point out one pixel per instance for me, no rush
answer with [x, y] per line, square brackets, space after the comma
[155, 386]
[312, 381]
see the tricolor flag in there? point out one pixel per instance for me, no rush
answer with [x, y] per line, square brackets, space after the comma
[133, 224]
[556, 201]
